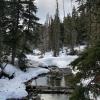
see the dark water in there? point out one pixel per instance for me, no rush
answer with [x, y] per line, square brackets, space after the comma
[49, 81]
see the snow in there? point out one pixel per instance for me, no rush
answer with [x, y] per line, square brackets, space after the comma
[9, 69]
[86, 81]
[15, 88]
[80, 48]
[62, 61]
[92, 96]
[11, 89]
[37, 51]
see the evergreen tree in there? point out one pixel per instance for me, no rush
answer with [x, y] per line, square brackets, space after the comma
[67, 29]
[88, 66]
[3, 30]
[1, 27]
[70, 32]
[44, 36]
[56, 32]
[90, 10]
[30, 34]
[51, 33]
[88, 63]
[19, 27]
[74, 29]
[82, 28]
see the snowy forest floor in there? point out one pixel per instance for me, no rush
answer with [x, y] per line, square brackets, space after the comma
[15, 88]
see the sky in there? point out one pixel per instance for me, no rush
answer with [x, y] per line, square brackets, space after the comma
[49, 6]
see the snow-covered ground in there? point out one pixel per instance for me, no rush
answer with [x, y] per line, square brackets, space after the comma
[61, 61]
[15, 87]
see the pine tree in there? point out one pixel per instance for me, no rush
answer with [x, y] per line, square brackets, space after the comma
[14, 10]
[51, 34]
[70, 32]
[74, 29]
[20, 27]
[67, 30]
[91, 14]
[56, 32]
[3, 30]
[82, 28]
[29, 35]
[2, 5]
[88, 66]
[88, 63]
[44, 36]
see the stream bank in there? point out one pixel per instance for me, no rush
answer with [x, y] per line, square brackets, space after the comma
[48, 81]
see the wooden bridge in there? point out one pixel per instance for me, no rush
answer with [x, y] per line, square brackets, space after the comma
[49, 89]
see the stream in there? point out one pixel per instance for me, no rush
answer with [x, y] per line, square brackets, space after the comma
[49, 81]
[54, 97]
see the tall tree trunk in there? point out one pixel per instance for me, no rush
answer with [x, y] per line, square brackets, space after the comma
[15, 32]
[13, 55]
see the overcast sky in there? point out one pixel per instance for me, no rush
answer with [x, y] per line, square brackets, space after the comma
[49, 6]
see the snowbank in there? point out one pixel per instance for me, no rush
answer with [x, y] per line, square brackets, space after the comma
[61, 61]
[15, 88]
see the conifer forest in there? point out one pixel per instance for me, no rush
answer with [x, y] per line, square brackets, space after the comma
[49, 49]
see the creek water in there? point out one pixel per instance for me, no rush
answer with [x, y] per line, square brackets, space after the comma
[54, 97]
[49, 81]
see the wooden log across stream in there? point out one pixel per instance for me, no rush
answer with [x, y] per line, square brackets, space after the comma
[49, 89]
